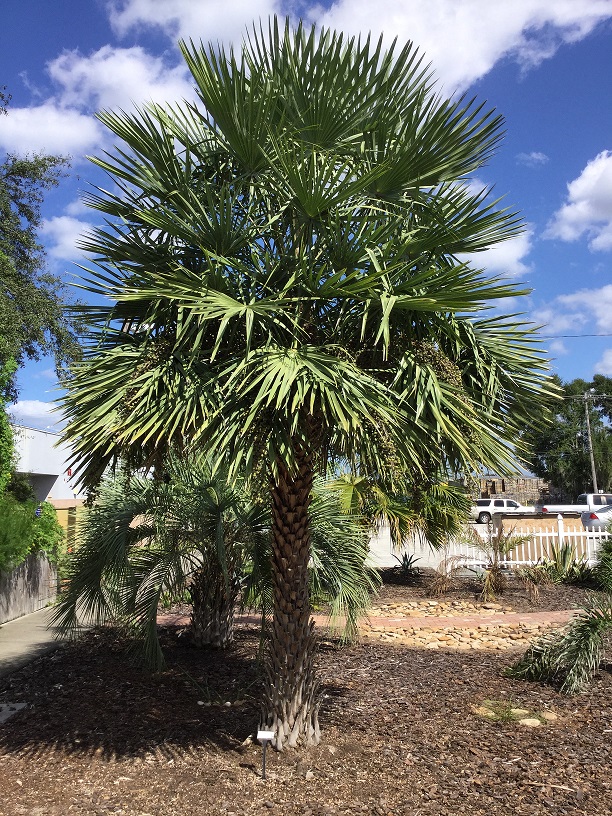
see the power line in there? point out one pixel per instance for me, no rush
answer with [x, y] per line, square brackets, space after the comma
[565, 336]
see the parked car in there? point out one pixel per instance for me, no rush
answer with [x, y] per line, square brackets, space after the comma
[483, 510]
[598, 518]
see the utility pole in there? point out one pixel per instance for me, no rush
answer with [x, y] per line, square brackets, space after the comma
[588, 395]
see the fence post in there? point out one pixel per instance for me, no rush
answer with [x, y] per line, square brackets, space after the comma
[560, 531]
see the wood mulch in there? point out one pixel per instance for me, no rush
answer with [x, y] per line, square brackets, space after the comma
[403, 734]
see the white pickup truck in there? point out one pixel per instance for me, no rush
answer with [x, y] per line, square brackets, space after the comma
[586, 502]
[483, 510]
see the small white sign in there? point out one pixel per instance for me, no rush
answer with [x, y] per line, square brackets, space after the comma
[265, 735]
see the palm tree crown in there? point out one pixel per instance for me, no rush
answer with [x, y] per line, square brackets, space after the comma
[288, 251]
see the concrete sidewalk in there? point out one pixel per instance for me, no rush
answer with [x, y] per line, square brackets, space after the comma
[24, 639]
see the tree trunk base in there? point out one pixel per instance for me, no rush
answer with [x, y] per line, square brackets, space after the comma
[292, 698]
[212, 615]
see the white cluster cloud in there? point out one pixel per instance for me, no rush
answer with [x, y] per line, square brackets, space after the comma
[209, 20]
[588, 208]
[117, 78]
[36, 414]
[604, 366]
[62, 234]
[533, 159]
[50, 128]
[587, 311]
[506, 258]
[462, 38]
[108, 78]
[465, 39]
[594, 303]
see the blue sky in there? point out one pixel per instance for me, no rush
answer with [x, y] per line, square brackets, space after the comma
[547, 67]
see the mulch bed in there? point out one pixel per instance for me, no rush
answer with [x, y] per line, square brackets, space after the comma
[552, 598]
[401, 736]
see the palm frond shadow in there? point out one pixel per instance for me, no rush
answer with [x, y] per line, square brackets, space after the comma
[87, 699]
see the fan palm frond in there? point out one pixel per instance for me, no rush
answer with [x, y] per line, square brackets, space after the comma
[570, 657]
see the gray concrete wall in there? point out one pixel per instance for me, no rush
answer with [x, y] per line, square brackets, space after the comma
[28, 588]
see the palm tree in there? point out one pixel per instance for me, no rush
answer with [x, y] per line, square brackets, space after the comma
[143, 541]
[146, 539]
[570, 656]
[282, 262]
[434, 511]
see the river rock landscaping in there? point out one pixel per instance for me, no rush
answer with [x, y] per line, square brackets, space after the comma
[407, 728]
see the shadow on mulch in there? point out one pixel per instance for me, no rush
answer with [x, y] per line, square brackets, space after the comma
[87, 698]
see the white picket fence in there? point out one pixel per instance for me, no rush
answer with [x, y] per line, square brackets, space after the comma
[538, 545]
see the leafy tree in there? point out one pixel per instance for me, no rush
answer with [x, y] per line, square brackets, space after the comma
[7, 447]
[23, 531]
[283, 265]
[31, 300]
[560, 452]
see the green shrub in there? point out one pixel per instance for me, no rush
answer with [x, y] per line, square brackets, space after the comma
[603, 568]
[20, 488]
[564, 568]
[16, 524]
[47, 533]
[22, 532]
[7, 448]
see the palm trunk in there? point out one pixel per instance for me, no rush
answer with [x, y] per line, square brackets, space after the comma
[291, 696]
[213, 598]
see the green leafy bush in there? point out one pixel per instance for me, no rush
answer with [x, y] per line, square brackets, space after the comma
[20, 488]
[7, 369]
[23, 532]
[16, 523]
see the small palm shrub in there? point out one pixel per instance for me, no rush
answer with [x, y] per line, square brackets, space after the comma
[564, 568]
[407, 568]
[569, 657]
[496, 545]
[445, 575]
[534, 577]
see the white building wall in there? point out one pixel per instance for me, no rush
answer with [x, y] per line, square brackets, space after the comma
[44, 461]
[383, 555]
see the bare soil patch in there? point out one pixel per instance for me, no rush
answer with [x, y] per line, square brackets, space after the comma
[404, 733]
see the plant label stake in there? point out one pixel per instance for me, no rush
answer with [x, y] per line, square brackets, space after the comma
[264, 737]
